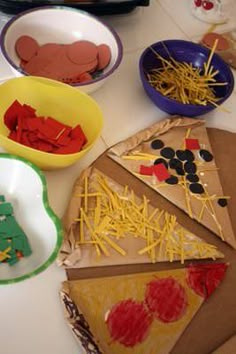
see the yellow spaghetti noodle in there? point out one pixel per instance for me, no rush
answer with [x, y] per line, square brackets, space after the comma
[185, 83]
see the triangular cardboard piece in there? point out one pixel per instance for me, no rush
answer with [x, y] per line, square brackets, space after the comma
[107, 224]
[139, 313]
[174, 157]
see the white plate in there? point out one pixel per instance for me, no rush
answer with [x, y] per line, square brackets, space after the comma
[24, 186]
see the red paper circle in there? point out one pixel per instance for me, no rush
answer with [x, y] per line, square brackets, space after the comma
[209, 40]
[128, 322]
[82, 52]
[26, 47]
[166, 299]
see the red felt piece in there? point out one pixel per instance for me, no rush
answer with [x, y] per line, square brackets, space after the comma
[47, 131]
[32, 136]
[14, 111]
[57, 127]
[19, 129]
[161, 172]
[45, 134]
[30, 110]
[205, 278]
[166, 299]
[13, 135]
[45, 146]
[73, 147]
[25, 125]
[192, 144]
[35, 123]
[11, 115]
[78, 133]
[64, 139]
[129, 322]
[146, 170]
[25, 139]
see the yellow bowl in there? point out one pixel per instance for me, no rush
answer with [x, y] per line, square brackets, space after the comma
[50, 98]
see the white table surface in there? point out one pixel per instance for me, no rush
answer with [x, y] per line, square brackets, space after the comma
[31, 317]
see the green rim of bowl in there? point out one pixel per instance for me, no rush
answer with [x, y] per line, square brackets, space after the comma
[50, 213]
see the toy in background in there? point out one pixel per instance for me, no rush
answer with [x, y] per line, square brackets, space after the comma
[226, 46]
[212, 11]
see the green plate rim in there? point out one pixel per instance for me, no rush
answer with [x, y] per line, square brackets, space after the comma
[50, 213]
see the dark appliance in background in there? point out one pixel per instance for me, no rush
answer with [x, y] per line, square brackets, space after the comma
[97, 7]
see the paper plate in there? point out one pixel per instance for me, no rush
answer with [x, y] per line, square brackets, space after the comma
[24, 186]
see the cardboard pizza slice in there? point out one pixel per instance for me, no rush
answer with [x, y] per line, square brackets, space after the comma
[175, 158]
[111, 315]
[107, 224]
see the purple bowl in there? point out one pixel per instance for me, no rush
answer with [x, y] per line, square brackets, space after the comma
[189, 52]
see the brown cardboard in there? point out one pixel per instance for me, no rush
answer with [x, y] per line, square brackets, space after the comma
[228, 347]
[216, 320]
[73, 255]
[173, 132]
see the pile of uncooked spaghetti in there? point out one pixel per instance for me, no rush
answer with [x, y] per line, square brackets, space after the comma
[185, 83]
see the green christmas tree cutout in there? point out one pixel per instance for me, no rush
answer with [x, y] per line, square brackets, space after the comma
[14, 243]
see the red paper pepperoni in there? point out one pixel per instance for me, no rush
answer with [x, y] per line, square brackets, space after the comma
[166, 299]
[129, 322]
[23, 63]
[204, 278]
[72, 63]
[85, 77]
[104, 56]
[26, 47]
[82, 52]
[36, 64]
[209, 40]
[49, 50]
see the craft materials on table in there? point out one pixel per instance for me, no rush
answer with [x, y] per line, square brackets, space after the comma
[13, 241]
[107, 224]
[183, 82]
[146, 318]
[73, 63]
[226, 46]
[42, 133]
[174, 157]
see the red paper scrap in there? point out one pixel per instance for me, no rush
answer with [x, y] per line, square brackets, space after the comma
[146, 170]
[161, 172]
[192, 144]
[42, 133]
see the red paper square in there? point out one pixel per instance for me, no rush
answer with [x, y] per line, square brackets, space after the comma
[146, 170]
[192, 144]
[73, 147]
[161, 172]
[35, 123]
[78, 133]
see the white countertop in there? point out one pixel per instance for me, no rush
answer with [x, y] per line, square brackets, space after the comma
[31, 315]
